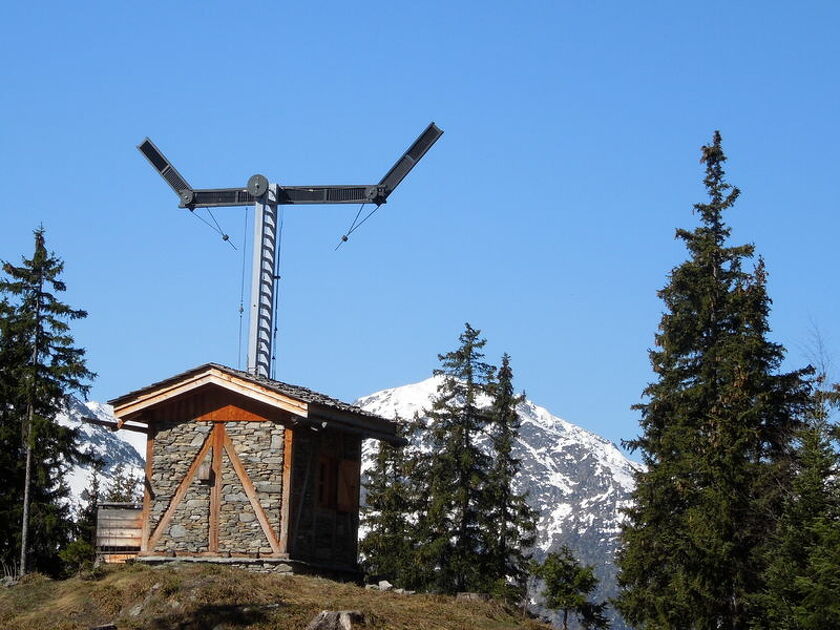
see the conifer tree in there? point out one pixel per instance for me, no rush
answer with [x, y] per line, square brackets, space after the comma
[451, 543]
[568, 586]
[717, 425]
[81, 553]
[91, 496]
[124, 487]
[387, 547]
[39, 366]
[509, 522]
[803, 570]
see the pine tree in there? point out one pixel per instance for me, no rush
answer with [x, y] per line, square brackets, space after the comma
[803, 570]
[568, 586]
[821, 582]
[718, 425]
[91, 496]
[80, 554]
[39, 366]
[124, 487]
[509, 522]
[451, 543]
[387, 547]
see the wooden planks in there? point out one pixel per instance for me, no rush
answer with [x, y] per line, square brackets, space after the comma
[129, 407]
[348, 485]
[119, 527]
[117, 558]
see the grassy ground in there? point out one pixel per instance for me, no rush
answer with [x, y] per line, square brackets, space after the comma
[186, 597]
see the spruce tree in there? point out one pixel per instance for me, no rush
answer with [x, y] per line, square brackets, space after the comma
[91, 496]
[568, 586]
[39, 366]
[451, 543]
[387, 547]
[717, 431]
[124, 487]
[81, 553]
[509, 522]
[803, 558]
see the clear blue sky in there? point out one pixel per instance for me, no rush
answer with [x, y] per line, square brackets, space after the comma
[544, 216]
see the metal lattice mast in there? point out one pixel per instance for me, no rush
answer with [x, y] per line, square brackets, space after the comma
[263, 284]
[266, 197]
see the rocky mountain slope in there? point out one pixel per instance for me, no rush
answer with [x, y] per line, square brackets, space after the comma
[577, 481]
[113, 449]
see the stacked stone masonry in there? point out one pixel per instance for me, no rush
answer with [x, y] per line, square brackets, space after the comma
[176, 445]
[259, 446]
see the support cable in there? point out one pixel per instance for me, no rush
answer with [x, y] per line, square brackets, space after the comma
[216, 228]
[281, 217]
[355, 226]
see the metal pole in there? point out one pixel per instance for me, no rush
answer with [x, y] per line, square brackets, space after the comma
[262, 284]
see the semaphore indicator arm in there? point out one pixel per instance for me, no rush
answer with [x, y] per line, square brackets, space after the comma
[289, 195]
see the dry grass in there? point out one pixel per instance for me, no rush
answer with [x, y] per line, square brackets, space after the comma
[194, 596]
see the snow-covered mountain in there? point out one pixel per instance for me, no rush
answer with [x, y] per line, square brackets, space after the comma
[112, 448]
[577, 481]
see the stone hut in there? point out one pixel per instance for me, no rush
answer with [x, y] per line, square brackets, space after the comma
[249, 471]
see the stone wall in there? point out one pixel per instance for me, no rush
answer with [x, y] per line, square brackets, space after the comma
[259, 446]
[176, 445]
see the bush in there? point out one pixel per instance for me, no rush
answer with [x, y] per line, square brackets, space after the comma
[78, 556]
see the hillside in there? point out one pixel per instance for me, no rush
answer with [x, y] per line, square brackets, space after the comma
[192, 597]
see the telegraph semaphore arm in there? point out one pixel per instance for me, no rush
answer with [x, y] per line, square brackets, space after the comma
[266, 197]
[409, 160]
[167, 171]
[286, 195]
[192, 198]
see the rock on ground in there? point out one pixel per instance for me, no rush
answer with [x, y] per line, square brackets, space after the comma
[336, 620]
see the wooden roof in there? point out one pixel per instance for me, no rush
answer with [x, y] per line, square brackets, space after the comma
[304, 405]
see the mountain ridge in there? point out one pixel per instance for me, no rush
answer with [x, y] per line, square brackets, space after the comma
[578, 481]
[111, 448]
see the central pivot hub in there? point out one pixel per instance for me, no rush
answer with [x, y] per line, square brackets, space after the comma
[257, 185]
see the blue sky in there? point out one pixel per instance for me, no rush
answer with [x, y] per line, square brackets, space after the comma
[544, 216]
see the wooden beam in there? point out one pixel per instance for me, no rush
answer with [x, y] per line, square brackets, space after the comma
[114, 426]
[218, 434]
[258, 392]
[145, 400]
[148, 490]
[179, 494]
[125, 411]
[286, 500]
[319, 423]
[251, 493]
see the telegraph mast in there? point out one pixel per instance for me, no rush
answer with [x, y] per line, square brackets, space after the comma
[265, 197]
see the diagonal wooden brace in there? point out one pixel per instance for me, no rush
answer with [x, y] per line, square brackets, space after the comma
[251, 493]
[179, 493]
